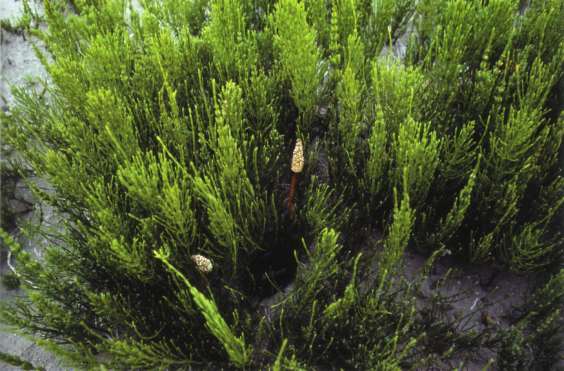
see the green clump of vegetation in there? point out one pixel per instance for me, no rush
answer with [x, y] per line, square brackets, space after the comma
[10, 281]
[7, 186]
[30, 18]
[168, 135]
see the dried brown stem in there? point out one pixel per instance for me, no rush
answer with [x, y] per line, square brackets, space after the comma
[291, 193]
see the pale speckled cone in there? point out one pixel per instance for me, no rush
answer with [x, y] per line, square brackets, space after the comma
[298, 157]
[203, 264]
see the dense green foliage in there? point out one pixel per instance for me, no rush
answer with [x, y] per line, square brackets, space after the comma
[168, 132]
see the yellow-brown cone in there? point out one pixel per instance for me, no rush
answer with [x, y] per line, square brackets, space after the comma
[203, 264]
[298, 157]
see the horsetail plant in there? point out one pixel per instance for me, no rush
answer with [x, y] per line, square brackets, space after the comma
[166, 131]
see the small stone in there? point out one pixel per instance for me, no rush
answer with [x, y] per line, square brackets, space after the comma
[322, 111]
[23, 193]
[19, 207]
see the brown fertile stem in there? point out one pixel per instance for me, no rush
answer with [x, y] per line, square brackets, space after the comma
[293, 186]
[206, 282]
